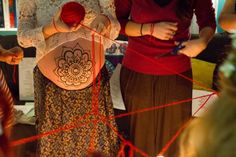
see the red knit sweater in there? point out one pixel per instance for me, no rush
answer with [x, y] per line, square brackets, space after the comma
[142, 51]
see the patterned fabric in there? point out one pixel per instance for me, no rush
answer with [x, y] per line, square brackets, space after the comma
[56, 107]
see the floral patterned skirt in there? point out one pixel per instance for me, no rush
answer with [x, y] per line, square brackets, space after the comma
[69, 114]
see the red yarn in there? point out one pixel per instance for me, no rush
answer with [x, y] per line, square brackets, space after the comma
[72, 13]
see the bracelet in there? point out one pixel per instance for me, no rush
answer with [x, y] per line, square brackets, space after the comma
[54, 25]
[141, 30]
[152, 29]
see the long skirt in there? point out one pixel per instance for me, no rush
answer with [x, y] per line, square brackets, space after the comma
[65, 116]
[151, 130]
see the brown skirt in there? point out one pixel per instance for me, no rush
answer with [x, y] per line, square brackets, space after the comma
[150, 131]
[55, 107]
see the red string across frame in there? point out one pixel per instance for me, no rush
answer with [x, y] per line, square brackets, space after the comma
[105, 120]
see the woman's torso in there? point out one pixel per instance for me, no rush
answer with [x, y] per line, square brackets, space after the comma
[73, 65]
[70, 64]
[146, 47]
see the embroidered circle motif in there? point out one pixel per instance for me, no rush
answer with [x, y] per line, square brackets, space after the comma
[74, 67]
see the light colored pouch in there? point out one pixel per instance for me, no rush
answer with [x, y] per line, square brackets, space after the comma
[116, 95]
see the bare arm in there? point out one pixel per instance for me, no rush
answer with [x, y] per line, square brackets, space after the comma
[136, 29]
[227, 19]
[161, 30]
[206, 21]
[194, 47]
[206, 34]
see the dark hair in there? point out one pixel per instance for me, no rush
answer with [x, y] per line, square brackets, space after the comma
[184, 8]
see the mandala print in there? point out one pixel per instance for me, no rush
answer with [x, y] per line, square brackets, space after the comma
[74, 67]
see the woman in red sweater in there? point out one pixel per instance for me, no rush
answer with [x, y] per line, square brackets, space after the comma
[152, 62]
